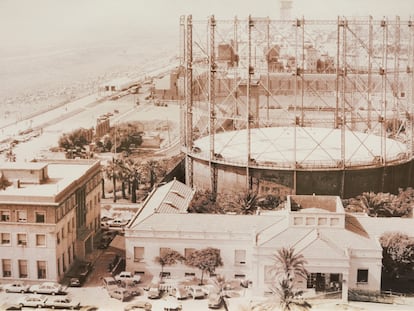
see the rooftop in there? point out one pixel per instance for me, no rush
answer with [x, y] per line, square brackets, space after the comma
[171, 198]
[61, 175]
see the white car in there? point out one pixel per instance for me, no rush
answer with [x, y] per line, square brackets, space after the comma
[16, 287]
[127, 277]
[62, 302]
[117, 222]
[37, 301]
[49, 288]
[120, 293]
[196, 292]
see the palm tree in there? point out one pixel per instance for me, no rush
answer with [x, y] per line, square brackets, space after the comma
[244, 203]
[155, 169]
[133, 175]
[112, 172]
[287, 266]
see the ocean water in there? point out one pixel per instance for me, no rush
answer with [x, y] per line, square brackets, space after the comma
[43, 64]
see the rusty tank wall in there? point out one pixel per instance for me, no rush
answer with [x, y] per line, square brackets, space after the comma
[345, 183]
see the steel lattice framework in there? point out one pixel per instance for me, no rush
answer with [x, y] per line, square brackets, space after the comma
[351, 77]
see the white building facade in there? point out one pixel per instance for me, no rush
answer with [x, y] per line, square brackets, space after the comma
[340, 254]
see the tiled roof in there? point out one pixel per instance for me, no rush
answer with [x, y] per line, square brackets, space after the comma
[171, 198]
[176, 199]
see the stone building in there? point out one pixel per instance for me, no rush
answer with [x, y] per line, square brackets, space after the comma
[49, 214]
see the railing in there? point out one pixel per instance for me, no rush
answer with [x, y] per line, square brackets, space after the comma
[322, 164]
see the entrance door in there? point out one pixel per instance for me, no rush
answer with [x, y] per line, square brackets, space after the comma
[320, 282]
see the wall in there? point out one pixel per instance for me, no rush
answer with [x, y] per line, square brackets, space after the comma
[348, 183]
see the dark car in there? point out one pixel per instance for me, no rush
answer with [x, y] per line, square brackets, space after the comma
[75, 282]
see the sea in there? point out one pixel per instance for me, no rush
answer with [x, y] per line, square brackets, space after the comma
[40, 70]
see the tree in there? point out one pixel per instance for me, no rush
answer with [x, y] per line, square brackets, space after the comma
[167, 258]
[154, 170]
[10, 155]
[207, 260]
[383, 204]
[4, 182]
[397, 252]
[244, 203]
[76, 139]
[203, 202]
[113, 173]
[287, 266]
[133, 175]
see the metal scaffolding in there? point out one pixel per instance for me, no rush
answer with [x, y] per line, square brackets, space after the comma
[352, 75]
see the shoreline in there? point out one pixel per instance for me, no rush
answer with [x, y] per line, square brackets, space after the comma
[52, 101]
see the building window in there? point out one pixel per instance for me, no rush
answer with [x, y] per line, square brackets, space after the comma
[40, 217]
[58, 238]
[40, 240]
[164, 250]
[5, 239]
[22, 216]
[22, 239]
[188, 252]
[240, 257]
[362, 276]
[138, 253]
[5, 215]
[23, 269]
[41, 269]
[6, 265]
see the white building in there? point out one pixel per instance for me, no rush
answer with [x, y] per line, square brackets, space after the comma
[340, 254]
[48, 217]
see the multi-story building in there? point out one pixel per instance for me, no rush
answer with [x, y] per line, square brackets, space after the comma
[49, 214]
[340, 253]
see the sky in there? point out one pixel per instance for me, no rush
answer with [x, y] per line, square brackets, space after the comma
[25, 21]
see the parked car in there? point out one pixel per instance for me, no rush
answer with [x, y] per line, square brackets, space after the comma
[139, 306]
[62, 302]
[178, 292]
[37, 301]
[196, 292]
[172, 306]
[110, 283]
[49, 288]
[154, 293]
[10, 307]
[215, 301]
[128, 277]
[120, 293]
[118, 222]
[16, 287]
[75, 282]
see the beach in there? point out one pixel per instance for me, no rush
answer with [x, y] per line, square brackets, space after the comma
[41, 76]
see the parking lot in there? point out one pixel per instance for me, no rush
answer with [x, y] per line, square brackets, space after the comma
[98, 297]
